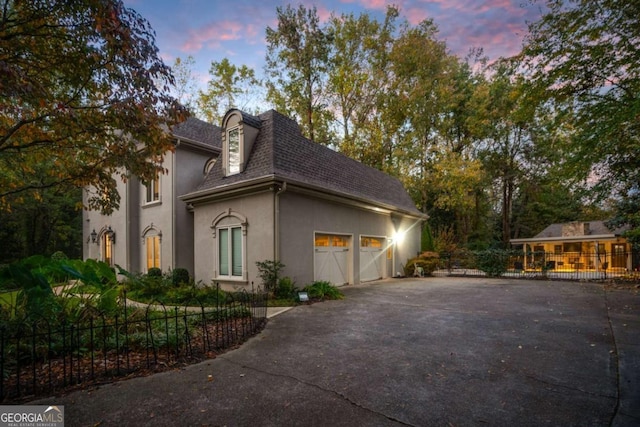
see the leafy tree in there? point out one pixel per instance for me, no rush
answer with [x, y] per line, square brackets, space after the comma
[428, 100]
[84, 98]
[503, 120]
[42, 225]
[185, 82]
[230, 86]
[585, 56]
[297, 61]
[356, 73]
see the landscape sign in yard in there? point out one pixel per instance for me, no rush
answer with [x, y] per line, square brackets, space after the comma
[31, 416]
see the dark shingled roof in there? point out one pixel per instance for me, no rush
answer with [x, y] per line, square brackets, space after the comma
[596, 228]
[200, 131]
[281, 151]
[252, 121]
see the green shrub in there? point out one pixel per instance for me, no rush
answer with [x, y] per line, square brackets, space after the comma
[191, 294]
[428, 261]
[494, 262]
[146, 287]
[180, 276]
[286, 288]
[269, 273]
[154, 272]
[323, 290]
[59, 256]
[96, 289]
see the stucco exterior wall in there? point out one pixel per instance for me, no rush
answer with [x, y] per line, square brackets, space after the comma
[410, 232]
[157, 217]
[94, 220]
[258, 209]
[187, 174]
[302, 216]
[168, 216]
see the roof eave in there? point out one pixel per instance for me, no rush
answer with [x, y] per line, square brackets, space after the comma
[258, 184]
[200, 146]
[360, 202]
[564, 238]
[225, 191]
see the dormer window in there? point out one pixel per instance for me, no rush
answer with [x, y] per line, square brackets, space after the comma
[240, 131]
[233, 144]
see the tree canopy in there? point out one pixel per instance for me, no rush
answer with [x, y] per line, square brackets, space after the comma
[231, 86]
[584, 55]
[84, 98]
[490, 152]
[297, 61]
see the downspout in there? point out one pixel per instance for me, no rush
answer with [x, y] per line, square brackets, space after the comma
[127, 227]
[276, 221]
[174, 172]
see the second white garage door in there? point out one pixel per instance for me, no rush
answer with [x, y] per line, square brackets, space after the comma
[372, 258]
[332, 258]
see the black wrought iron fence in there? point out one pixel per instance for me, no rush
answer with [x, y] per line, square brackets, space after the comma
[570, 266]
[39, 358]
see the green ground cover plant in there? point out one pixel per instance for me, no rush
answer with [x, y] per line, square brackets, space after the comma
[57, 313]
[283, 290]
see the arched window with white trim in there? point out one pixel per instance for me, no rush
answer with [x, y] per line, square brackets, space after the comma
[106, 243]
[152, 241]
[230, 241]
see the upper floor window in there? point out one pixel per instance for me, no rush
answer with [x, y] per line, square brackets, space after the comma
[233, 151]
[153, 190]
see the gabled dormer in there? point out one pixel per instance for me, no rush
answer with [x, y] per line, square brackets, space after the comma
[239, 132]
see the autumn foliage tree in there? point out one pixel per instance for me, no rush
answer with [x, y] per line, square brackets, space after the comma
[84, 98]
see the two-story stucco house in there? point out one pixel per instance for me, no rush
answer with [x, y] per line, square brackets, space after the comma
[255, 190]
[152, 228]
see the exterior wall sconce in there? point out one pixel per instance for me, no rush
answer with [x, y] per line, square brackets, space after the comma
[94, 236]
[111, 234]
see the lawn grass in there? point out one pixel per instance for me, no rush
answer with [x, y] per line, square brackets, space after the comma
[281, 302]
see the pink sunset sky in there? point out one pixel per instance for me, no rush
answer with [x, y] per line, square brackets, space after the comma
[210, 30]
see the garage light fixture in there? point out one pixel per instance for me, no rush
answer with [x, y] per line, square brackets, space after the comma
[398, 237]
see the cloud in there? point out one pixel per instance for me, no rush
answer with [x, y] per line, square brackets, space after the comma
[378, 4]
[497, 26]
[211, 35]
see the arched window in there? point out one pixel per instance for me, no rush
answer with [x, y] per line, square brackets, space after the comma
[230, 236]
[107, 239]
[152, 240]
[107, 249]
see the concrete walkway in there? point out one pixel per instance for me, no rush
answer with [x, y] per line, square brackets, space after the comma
[275, 311]
[271, 311]
[422, 352]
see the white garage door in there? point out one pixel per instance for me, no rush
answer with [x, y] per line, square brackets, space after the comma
[372, 258]
[332, 258]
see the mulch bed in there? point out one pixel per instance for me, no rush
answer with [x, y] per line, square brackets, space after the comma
[73, 372]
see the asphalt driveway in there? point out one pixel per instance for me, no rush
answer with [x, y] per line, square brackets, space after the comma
[433, 351]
